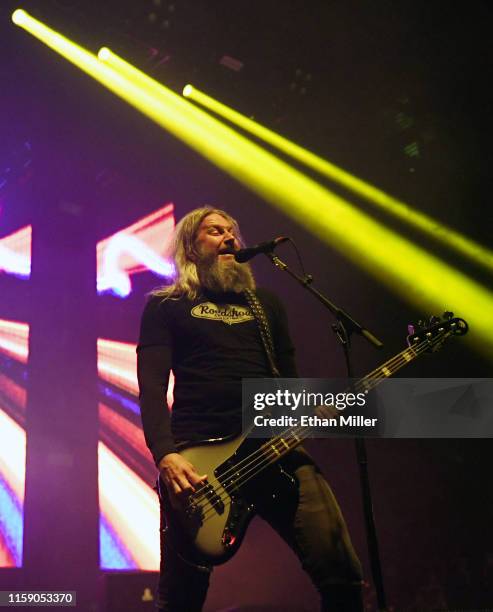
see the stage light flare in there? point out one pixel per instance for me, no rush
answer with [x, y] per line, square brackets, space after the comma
[14, 342]
[131, 507]
[429, 226]
[15, 253]
[113, 553]
[12, 488]
[103, 54]
[114, 279]
[12, 454]
[14, 392]
[117, 364]
[141, 246]
[125, 430]
[406, 269]
[128, 404]
[14, 339]
[19, 17]
[11, 528]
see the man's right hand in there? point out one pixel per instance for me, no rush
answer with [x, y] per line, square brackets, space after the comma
[180, 478]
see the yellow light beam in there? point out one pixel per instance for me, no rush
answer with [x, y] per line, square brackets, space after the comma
[409, 271]
[322, 212]
[431, 227]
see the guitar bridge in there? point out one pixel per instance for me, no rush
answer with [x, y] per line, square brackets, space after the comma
[194, 512]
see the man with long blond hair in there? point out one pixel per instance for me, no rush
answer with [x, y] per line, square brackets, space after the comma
[203, 328]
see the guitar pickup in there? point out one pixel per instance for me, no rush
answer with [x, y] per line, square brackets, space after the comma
[213, 498]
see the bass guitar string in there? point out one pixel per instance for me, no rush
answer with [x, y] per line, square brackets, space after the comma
[266, 460]
[256, 466]
[415, 351]
[208, 509]
[240, 480]
[373, 377]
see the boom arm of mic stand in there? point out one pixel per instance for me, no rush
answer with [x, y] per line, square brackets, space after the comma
[341, 315]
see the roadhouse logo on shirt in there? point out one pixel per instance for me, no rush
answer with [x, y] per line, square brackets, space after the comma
[227, 313]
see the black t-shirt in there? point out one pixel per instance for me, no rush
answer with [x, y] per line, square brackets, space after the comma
[210, 344]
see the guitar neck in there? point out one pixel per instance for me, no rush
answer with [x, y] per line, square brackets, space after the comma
[390, 367]
[278, 446]
[425, 340]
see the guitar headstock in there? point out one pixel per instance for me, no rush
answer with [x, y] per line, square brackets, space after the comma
[437, 330]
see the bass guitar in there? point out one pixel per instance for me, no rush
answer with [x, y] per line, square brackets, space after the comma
[212, 523]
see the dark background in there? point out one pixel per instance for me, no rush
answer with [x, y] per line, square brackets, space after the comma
[356, 82]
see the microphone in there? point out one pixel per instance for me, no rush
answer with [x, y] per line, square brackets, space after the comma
[244, 255]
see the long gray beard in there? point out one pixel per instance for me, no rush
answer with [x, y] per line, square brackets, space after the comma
[225, 276]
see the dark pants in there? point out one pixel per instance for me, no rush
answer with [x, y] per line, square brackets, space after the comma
[310, 522]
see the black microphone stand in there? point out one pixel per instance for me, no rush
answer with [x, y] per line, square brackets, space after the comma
[343, 329]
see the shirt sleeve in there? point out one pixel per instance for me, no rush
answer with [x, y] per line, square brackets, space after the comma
[153, 369]
[283, 345]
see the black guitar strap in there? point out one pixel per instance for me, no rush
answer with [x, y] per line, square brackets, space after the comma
[263, 328]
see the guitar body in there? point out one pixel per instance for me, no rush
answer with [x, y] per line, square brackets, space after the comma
[210, 529]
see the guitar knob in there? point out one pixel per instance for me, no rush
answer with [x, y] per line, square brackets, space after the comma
[448, 315]
[228, 538]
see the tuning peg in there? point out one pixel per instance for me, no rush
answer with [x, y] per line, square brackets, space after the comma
[434, 319]
[410, 329]
[448, 315]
